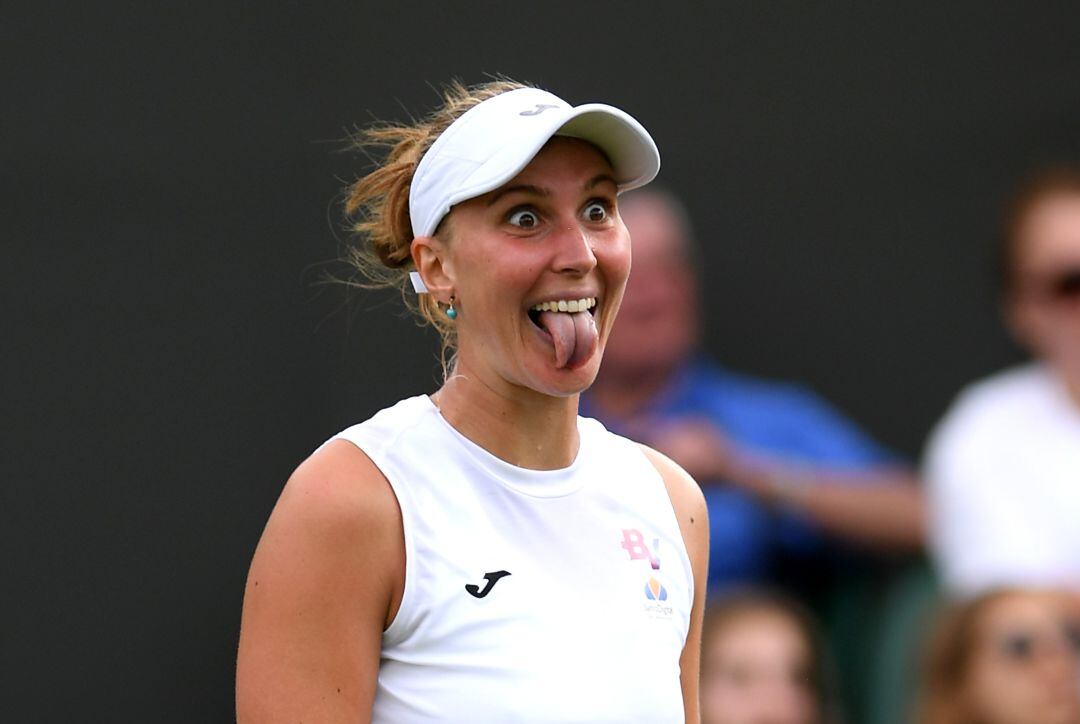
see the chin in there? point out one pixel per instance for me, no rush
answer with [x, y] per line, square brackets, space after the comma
[547, 380]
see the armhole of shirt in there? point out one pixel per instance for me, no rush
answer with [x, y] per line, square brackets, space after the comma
[405, 615]
[673, 519]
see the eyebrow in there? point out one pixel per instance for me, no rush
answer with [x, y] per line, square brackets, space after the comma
[523, 188]
[599, 179]
[538, 191]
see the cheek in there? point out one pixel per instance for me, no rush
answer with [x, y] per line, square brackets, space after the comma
[614, 258]
[993, 687]
[496, 275]
[1054, 333]
[724, 697]
[613, 263]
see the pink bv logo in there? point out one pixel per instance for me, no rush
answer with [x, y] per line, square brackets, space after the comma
[634, 544]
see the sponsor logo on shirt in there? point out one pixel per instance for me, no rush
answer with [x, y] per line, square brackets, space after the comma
[655, 591]
[656, 595]
[492, 578]
[634, 543]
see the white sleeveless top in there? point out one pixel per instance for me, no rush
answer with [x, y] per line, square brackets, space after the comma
[530, 595]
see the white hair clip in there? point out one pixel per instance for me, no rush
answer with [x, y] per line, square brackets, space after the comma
[417, 282]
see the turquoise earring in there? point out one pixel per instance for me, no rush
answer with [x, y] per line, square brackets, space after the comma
[450, 311]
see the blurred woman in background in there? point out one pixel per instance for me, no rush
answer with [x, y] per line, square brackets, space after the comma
[763, 662]
[1002, 468]
[1010, 656]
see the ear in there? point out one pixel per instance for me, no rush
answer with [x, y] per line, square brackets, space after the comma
[430, 257]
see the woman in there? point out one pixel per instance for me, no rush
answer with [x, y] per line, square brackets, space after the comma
[1002, 465]
[762, 661]
[1011, 656]
[482, 553]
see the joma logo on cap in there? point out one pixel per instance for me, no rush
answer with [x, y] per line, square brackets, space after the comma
[540, 108]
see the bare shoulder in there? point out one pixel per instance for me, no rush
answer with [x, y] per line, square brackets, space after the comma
[335, 498]
[324, 582]
[338, 488]
[685, 493]
[337, 512]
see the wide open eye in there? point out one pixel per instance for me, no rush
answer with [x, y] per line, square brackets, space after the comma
[523, 218]
[595, 211]
[1018, 646]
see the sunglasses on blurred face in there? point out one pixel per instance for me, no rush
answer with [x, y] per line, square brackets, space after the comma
[1063, 286]
[1023, 646]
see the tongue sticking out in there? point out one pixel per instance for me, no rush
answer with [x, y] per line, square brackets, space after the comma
[574, 336]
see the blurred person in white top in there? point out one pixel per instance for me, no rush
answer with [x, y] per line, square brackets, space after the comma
[1003, 466]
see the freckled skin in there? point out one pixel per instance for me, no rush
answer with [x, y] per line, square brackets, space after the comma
[499, 269]
[552, 232]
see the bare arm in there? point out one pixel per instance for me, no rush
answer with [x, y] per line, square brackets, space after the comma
[693, 517]
[325, 580]
[879, 507]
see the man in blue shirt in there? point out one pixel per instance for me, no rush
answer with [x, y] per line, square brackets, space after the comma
[781, 470]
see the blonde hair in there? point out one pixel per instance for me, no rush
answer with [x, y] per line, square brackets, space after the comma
[377, 205]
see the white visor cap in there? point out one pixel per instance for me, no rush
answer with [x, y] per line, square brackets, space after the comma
[493, 141]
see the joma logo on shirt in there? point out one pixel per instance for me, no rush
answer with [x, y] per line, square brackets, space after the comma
[492, 578]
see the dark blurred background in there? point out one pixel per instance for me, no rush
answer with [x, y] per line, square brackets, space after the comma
[169, 199]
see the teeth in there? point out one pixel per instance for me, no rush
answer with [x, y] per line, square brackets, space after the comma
[566, 305]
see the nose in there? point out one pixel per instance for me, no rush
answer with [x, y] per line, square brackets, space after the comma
[573, 250]
[1063, 660]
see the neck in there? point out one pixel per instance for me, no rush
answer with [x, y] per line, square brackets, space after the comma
[623, 396]
[1072, 386]
[1067, 376]
[517, 424]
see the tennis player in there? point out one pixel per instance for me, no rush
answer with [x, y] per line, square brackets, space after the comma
[484, 554]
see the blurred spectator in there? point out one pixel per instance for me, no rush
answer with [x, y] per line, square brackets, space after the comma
[762, 662]
[777, 464]
[1006, 657]
[1003, 466]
